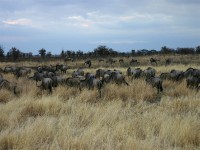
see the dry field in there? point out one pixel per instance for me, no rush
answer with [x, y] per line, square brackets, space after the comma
[125, 117]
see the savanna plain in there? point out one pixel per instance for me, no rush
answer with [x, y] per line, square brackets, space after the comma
[124, 117]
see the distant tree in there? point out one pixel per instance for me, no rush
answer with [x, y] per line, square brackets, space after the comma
[133, 52]
[42, 52]
[15, 53]
[79, 53]
[1, 51]
[166, 50]
[198, 49]
[69, 53]
[102, 50]
[62, 54]
[49, 54]
[185, 50]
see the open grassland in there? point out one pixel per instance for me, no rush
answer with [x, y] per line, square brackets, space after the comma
[125, 117]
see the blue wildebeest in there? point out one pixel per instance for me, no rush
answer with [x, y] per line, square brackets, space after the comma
[155, 82]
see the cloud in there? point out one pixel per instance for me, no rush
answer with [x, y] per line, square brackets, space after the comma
[22, 21]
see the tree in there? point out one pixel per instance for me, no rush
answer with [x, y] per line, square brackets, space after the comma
[15, 53]
[185, 50]
[42, 52]
[49, 54]
[133, 52]
[166, 50]
[1, 51]
[62, 54]
[102, 50]
[198, 49]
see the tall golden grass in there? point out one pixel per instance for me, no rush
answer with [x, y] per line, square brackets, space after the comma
[125, 117]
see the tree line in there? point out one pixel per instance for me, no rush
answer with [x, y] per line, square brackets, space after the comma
[100, 51]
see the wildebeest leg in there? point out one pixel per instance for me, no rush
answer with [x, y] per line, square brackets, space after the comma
[50, 89]
[124, 81]
[159, 87]
[100, 93]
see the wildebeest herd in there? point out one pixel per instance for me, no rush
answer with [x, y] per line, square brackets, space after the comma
[52, 76]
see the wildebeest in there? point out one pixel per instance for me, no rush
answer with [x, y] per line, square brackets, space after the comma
[37, 77]
[155, 82]
[121, 61]
[92, 83]
[154, 61]
[62, 68]
[89, 63]
[58, 80]
[134, 73]
[165, 75]
[89, 75]
[47, 84]
[73, 82]
[189, 72]
[193, 82]
[176, 75]
[168, 61]
[99, 73]
[78, 72]
[192, 72]
[22, 72]
[149, 72]
[5, 84]
[117, 78]
[134, 61]
[10, 69]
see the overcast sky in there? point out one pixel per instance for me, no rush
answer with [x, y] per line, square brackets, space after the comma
[122, 25]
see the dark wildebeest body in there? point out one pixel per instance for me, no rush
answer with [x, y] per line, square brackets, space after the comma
[196, 73]
[92, 83]
[73, 82]
[155, 82]
[10, 69]
[121, 61]
[193, 82]
[149, 72]
[37, 77]
[89, 75]
[89, 63]
[168, 61]
[58, 80]
[154, 61]
[62, 68]
[47, 84]
[99, 73]
[22, 73]
[176, 75]
[134, 73]
[78, 72]
[134, 61]
[165, 76]
[5, 84]
[117, 78]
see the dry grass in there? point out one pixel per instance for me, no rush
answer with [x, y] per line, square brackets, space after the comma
[125, 117]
